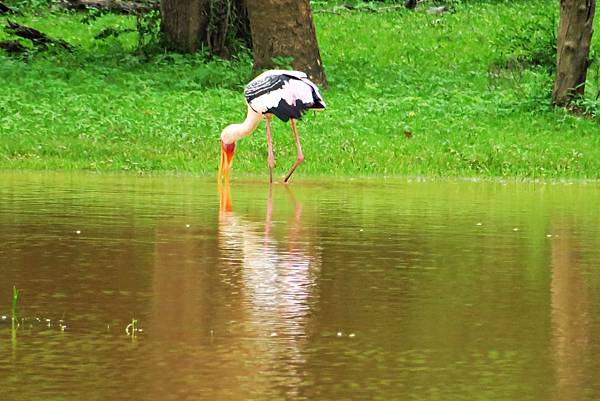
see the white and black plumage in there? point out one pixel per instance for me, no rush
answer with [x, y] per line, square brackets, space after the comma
[285, 94]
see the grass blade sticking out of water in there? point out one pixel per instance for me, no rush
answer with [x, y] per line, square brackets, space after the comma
[15, 298]
[133, 327]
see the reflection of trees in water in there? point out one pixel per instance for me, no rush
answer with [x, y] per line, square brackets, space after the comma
[570, 306]
[187, 304]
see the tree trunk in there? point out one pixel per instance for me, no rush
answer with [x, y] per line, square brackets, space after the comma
[184, 23]
[573, 47]
[285, 28]
[228, 22]
[188, 25]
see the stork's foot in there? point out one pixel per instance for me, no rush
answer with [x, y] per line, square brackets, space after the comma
[298, 162]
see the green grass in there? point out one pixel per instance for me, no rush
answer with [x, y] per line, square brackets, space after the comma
[103, 108]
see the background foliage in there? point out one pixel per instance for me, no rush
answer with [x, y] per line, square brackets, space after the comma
[464, 93]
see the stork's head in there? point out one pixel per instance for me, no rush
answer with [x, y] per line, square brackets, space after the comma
[226, 160]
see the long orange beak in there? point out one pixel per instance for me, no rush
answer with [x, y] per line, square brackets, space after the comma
[226, 160]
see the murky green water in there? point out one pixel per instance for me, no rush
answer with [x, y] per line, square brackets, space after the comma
[403, 290]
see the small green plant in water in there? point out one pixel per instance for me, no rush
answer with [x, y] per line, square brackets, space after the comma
[15, 298]
[132, 328]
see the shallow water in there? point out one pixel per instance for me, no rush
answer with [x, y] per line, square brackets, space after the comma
[402, 290]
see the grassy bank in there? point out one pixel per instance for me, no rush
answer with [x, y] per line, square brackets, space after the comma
[448, 80]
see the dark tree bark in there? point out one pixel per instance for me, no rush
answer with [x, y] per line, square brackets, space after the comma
[117, 6]
[228, 21]
[184, 23]
[4, 9]
[12, 47]
[573, 47]
[285, 28]
[188, 25]
[37, 38]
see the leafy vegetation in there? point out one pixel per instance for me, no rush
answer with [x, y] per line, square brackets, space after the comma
[530, 42]
[466, 93]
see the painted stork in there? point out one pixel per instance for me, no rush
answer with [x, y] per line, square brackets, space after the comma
[285, 94]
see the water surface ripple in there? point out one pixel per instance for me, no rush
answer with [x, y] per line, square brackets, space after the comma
[320, 290]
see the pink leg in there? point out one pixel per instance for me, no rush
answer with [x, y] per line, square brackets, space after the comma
[299, 148]
[270, 144]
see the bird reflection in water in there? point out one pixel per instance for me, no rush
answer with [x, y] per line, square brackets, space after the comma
[278, 274]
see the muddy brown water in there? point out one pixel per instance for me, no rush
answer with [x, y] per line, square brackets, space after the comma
[321, 290]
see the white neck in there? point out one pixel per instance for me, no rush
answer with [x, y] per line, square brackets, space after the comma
[234, 132]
